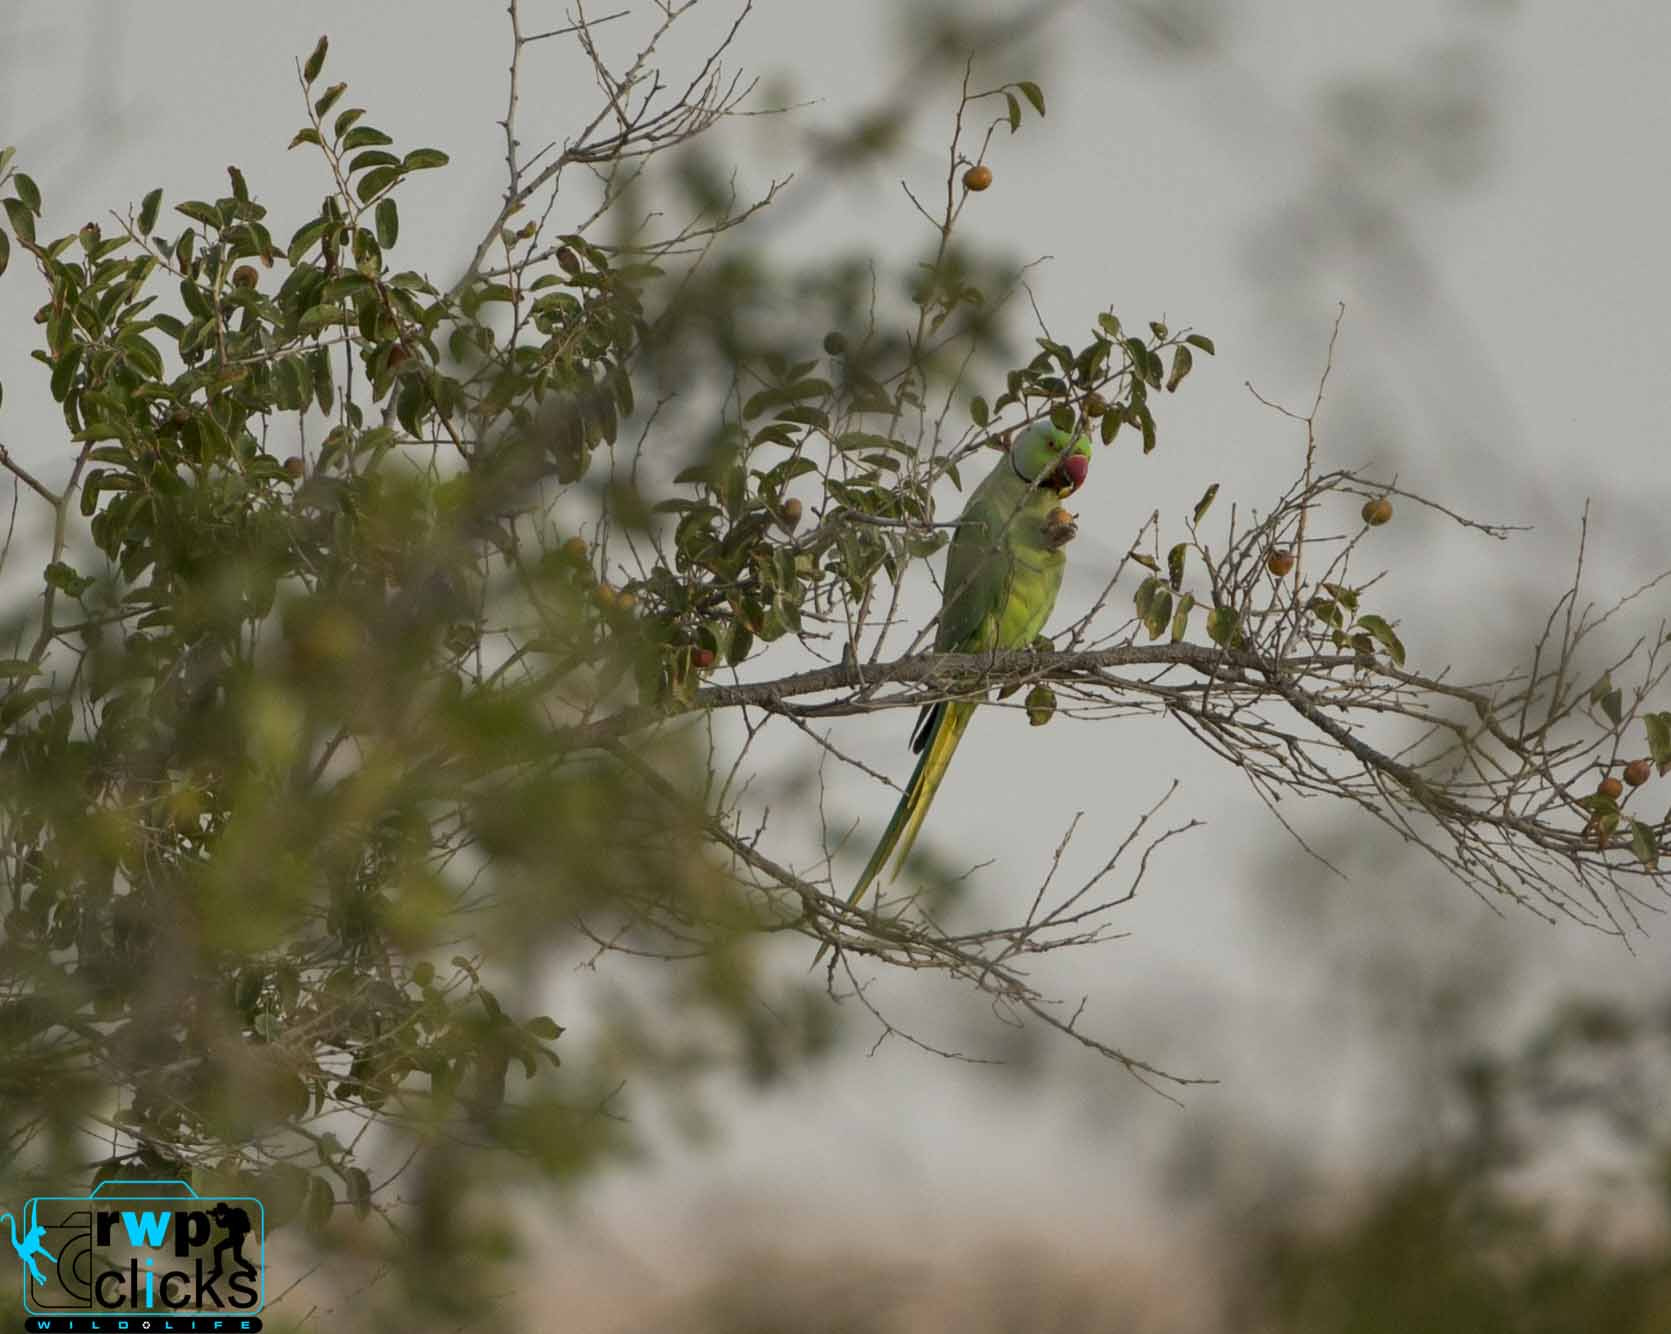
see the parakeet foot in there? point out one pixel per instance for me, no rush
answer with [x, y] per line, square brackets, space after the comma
[1060, 528]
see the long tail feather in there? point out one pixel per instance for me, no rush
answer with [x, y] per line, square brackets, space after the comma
[937, 735]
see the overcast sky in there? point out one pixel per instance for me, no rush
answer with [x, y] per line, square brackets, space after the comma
[1490, 204]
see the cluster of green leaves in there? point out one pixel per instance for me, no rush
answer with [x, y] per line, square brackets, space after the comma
[1092, 384]
[1335, 609]
[1163, 606]
[262, 726]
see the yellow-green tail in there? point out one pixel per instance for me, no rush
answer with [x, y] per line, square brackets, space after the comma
[942, 728]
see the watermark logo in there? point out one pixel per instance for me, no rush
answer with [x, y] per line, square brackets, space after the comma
[136, 1255]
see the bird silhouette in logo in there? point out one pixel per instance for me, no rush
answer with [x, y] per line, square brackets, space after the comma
[30, 1246]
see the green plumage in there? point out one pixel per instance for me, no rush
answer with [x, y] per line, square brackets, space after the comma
[1003, 573]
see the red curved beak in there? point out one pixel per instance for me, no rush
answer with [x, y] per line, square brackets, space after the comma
[1077, 467]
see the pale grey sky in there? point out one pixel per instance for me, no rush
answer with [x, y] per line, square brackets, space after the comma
[1504, 348]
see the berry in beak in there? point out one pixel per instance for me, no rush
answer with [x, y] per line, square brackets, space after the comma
[1071, 473]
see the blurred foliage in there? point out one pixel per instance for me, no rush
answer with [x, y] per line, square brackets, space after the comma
[1496, 1226]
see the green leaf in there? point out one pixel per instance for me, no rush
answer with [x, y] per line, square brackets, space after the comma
[306, 135]
[1175, 565]
[198, 211]
[372, 157]
[148, 211]
[63, 373]
[358, 1184]
[1659, 739]
[5, 251]
[789, 393]
[320, 1204]
[1221, 625]
[1033, 94]
[346, 121]
[1645, 844]
[1203, 342]
[138, 353]
[363, 136]
[1205, 503]
[1384, 635]
[12, 668]
[421, 159]
[306, 237]
[388, 223]
[1159, 615]
[22, 220]
[319, 362]
[28, 192]
[1347, 597]
[1610, 700]
[374, 182]
[328, 98]
[978, 411]
[1180, 618]
[1015, 112]
[1182, 361]
[316, 61]
[1109, 324]
[544, 1027]
[320, 316]
[64, 577]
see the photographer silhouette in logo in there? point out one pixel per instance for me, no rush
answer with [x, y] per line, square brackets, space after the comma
[236, 1224]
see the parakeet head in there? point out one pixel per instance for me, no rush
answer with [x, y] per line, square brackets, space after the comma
[1053, 459]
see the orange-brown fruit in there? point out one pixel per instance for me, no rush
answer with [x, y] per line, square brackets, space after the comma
[397, 356]
[1638, 772]
[1377, 512]
[576, 550]
[1611, 787]
[977, 178]
[605, 596]
[1095, 404]
[792, 511]
[702, 658]
[1280, 563]
[294, 467]
[566, 258]
[245, 276]
[625, 601]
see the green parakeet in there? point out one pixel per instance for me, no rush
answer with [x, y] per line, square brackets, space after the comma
[1002, 576]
